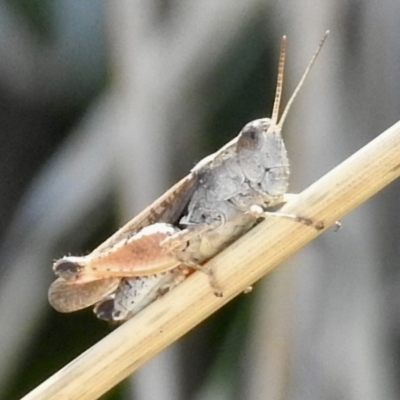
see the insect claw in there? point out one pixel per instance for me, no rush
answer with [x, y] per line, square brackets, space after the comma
[213, 283]
[338, 226]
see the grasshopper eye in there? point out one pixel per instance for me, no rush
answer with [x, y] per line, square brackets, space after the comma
[65, 269]
[250, 138]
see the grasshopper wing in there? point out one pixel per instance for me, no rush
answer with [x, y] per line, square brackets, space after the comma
[68, 296]
[167, 208]
[85, 281]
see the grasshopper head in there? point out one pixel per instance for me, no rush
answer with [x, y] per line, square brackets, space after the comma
[263, 157]
[261, 151]
[260, 135]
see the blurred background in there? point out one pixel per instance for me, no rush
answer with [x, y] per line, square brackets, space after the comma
[104, 105]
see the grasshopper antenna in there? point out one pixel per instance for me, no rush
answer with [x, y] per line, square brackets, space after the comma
[279, 82]
[300, 84]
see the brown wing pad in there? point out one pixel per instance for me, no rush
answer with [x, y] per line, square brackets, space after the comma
[139, 255]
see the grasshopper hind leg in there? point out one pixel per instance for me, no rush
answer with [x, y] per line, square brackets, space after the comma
[211, 277]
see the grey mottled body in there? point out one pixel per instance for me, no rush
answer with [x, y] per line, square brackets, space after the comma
[215, 204]
[253, 169]
[135, 294]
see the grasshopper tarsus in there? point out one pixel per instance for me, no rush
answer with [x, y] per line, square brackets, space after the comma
[214, 285]
[320, 225]
[210, 274]
[307, 221]
[338, 226]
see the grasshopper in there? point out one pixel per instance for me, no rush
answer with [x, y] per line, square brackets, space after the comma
[222, 198]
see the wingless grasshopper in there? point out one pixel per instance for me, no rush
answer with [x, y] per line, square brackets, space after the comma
[223, 197]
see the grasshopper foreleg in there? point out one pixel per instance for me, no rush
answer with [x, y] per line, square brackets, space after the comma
[258, 211]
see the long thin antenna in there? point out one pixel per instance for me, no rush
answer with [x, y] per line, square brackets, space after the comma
[279, 82]
[300, 84]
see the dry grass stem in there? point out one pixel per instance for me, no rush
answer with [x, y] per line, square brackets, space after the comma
[128, 347]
